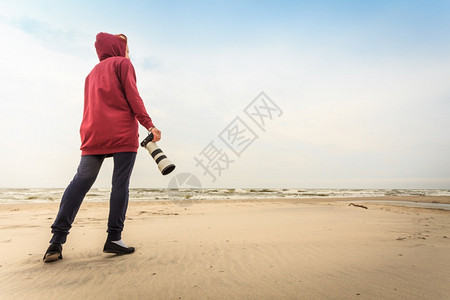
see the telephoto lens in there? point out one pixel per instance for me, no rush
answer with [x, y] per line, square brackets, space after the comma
[164, 164]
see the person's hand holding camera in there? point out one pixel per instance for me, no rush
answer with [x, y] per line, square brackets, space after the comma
[156, 134]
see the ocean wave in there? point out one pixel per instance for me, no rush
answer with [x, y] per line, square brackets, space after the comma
[10, 196]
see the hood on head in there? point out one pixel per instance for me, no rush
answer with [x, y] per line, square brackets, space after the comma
[109, 45]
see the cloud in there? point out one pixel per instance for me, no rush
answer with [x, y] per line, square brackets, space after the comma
[41, 107]
[356, 111]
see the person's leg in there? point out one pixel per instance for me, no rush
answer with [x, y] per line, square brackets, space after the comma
[73, 196]
[123, 166]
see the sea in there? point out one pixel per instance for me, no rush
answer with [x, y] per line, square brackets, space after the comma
[49, 195]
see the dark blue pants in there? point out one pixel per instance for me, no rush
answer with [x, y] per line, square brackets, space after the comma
[82, 182]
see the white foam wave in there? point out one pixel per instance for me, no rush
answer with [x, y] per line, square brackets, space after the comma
[8, 196]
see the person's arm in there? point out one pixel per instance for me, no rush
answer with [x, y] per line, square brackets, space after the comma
[127, 77]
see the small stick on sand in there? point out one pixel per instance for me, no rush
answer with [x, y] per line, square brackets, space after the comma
[357, 205]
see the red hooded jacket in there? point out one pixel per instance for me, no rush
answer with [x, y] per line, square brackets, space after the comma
[112, 105]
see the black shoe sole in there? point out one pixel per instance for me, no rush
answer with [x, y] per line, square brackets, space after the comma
[117, 252]
[53, 253]
[52, 257]
[116, 249]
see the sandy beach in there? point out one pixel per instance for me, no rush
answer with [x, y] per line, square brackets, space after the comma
[242, 249]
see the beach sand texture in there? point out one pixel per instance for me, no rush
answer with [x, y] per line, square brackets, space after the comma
[287, 249]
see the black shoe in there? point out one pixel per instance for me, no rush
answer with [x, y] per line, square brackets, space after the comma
[111, 247]
[53, 253]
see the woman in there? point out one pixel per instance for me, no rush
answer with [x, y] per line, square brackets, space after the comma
[112, 110]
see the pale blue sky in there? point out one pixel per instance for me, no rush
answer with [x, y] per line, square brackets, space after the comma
[363, 86]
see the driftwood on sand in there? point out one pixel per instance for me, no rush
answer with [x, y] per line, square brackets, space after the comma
[358, 205]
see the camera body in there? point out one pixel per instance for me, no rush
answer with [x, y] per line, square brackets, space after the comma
[164, 164]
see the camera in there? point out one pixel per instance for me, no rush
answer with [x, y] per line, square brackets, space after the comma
[164, 164]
